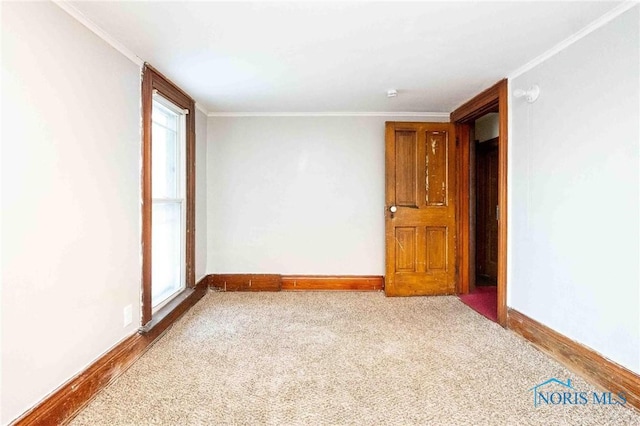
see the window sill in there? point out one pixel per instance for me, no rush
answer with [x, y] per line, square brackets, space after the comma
[168, 312]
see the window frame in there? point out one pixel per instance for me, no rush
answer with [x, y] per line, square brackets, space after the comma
[166, 106]
[154, 81]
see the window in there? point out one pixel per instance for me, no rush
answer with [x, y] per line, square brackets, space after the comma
[168, 201]
[168, 195]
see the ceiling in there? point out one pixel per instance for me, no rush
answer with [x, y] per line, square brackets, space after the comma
[338, 56]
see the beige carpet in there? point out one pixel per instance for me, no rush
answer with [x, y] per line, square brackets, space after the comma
[339, 358]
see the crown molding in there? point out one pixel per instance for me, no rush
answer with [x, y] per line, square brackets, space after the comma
[202, 109]
[331, 114]
[601, 21]
[79, 16]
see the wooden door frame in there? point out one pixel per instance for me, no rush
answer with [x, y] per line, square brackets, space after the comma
[463, 117]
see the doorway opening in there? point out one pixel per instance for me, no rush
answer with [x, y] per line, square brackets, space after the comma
[483, 291]
[481, 138]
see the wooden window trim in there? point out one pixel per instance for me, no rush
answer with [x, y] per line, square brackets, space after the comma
[152, 81]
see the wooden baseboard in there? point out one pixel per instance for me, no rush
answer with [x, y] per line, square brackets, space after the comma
[329, 283]
[276, 282]
[578, 358]
[245, 282]
[70, 398]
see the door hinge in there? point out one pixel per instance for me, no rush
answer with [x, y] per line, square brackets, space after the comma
[497, 213]
[457, 141]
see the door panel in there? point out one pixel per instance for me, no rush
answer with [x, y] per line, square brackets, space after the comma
[406, 249]
[486, 204]
[406, 150]
[436, 169]
[436, 248]
[420, 185]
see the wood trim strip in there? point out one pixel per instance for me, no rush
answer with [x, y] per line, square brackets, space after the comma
[503, 162]
[174, 309]
[332, 283]
[578, 358]
[190, 214]
[65, 402]
[147, 107]
[463, 213]
[245, 282]
[168, 88]
[495, 96]
[277, 282]
[152, 80]
[479, 104]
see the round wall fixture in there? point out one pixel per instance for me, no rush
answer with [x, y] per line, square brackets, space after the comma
[530, 94]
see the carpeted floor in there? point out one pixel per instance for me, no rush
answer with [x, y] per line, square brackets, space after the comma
[313, 358]
[483, 300]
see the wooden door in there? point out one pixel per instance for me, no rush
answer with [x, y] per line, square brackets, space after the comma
[420, 209]
[486, 209]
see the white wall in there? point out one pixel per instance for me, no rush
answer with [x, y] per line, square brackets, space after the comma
[575, 235]
[487, 127]
[201, 195]
[70, 200]
[296, 195]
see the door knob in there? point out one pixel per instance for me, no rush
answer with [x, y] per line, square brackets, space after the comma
[393, 209]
